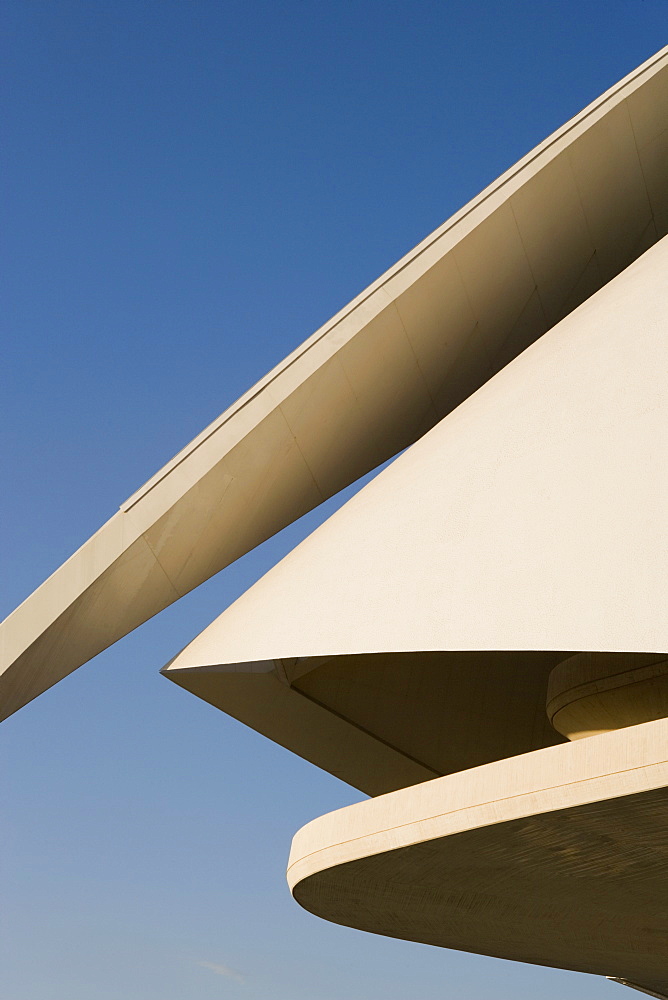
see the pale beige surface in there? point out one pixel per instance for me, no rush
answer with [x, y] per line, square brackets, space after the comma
[565, 220]
[532, 518]
[558, 857]
[415, 634]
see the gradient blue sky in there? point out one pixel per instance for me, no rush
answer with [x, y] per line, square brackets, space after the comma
[193, 188]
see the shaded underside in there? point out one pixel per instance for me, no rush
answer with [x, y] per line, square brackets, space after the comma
[584, 889]
[385, 721]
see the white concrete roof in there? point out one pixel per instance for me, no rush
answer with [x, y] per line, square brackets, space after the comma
[533, 518]
[560, 224]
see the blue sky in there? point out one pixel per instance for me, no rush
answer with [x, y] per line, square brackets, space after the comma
[192, 189]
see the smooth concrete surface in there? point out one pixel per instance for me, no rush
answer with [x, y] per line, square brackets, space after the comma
[594, 693]
[557, 857]
[384, 721]
[560, 224]
[532, 518]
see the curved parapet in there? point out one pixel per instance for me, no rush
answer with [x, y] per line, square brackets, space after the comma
[558, 857]
[593, 693]
[570, 216]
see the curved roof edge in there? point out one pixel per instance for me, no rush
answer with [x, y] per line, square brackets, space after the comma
[553, 857]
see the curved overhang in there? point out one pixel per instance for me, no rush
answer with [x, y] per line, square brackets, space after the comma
[552, 230]
[428, 612]
[556, 858]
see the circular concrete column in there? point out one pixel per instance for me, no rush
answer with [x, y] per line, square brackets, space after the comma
[593, 693]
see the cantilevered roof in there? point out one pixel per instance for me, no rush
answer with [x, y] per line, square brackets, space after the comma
[552, 230]
[429, 610]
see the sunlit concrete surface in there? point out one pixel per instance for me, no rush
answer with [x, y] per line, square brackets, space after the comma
[556, 227]
[529, 522]
[498, 590]
[479, 637]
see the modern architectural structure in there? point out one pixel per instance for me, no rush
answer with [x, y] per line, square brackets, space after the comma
[479, 638]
